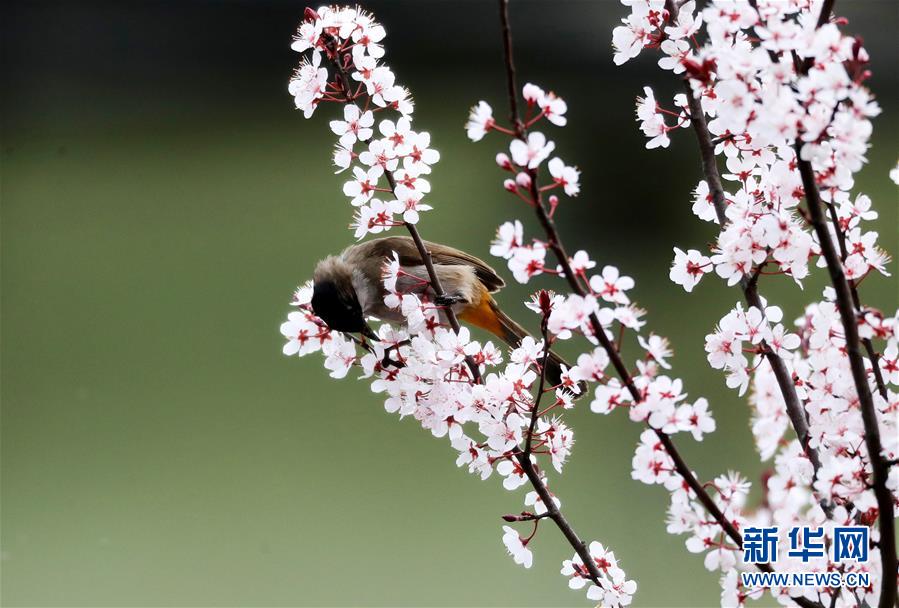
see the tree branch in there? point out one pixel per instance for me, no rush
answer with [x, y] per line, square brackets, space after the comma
[544, 329]
[879, 465]
[555, 243]
[847, 303]
[795, 411]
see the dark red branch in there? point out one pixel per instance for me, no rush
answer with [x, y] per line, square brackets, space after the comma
[795, 411]
[847, 303]
[555, 244]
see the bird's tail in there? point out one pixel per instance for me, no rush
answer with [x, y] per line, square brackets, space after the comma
[489, 316]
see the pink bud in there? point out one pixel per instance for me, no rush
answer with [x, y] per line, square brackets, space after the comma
[553, 203]
[523, 180]
[510, 185]
[504, 161]
[510, 518]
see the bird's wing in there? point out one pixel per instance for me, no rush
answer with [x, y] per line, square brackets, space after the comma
[405, 247]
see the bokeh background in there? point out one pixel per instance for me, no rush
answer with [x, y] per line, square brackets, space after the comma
[161, 198]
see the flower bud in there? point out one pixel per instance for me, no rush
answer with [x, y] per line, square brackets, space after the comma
[510, 185]
[503, 160]
[523, 180]
[546, 303]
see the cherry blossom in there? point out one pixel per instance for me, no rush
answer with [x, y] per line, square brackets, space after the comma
[688, 268]
[355, 126]
[517, 547]
[767, 113]
[531, 153]
[564, 176]
[772, 78]
[480, 120]
[611, 286]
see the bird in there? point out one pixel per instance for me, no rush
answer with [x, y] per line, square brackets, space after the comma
[349, 287]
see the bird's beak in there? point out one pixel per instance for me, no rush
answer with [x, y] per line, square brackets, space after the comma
[369, 333]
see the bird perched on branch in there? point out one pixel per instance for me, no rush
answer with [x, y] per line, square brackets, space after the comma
[348, 287]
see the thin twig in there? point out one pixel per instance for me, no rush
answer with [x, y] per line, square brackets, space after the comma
[524, 459]
[529, 439]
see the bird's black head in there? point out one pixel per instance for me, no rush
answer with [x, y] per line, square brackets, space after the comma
[338, 307]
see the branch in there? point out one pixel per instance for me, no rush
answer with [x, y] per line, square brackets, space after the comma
[579, 546]
[879, 465]
[335, 57]
[555, 243]
[544, 329]
[847, 302]
[795, 411]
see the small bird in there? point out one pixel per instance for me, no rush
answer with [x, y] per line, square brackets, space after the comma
[348, 287]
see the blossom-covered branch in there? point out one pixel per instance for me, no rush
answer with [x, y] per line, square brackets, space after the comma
[783, 88]
[536, 148]
[850, 308]
[504, 422]
[341, 55]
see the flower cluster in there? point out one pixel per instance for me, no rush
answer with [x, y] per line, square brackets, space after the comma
[507, 418]
[421, 370]
[777, 87]
[389, 161]
[601, 303]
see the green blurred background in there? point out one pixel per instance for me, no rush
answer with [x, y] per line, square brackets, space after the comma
[160, 201]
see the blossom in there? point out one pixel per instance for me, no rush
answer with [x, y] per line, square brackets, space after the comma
[517, 547]
[553, 108]
[688, 268]
[397, 135]
[527, 262]
[611, 286]
[304, 332]
[509, 237]
[340, 355]
[613, 590]
[566, 177]
[656, 348]
[363, 185]
[419, 156]
[697, 419]
[590, 366]
[355, 126]
[651, 121]
[532, 152]
[376, 216]
[480, 120]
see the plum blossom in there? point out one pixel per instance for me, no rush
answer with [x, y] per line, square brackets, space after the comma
[531, 153]
[688, 268]
[566, 177]
[480, 120]
[611, 286]
[355, 126]
[775, 90]
[652, 123]
[517, 547]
